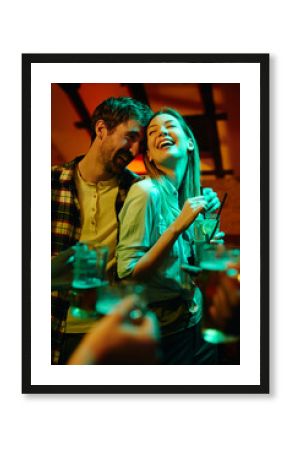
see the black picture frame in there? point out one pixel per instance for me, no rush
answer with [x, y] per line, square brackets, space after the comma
[260, 59]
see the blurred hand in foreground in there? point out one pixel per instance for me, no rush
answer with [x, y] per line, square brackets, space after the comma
[225, 305]
[222, 299]
[61, 268]
[116, 339]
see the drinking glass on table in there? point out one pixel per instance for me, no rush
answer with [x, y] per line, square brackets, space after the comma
[86, 287]
[89, 273]
[102, 301]
[218, 257]
[110, 296]
[89, 265]
[92, 296]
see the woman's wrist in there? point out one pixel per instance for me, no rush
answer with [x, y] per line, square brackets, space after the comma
[175, 228]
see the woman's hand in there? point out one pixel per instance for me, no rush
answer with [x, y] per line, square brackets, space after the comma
[192, 207]
[211, 198]
[151, 260]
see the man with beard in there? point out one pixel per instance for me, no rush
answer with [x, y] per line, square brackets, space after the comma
[87, 196]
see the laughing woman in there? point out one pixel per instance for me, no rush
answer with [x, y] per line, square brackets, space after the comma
[156, 236]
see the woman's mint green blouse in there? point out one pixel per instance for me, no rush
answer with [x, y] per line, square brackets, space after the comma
[150, 207]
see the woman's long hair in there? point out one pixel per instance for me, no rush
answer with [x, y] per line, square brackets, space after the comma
[190, 185]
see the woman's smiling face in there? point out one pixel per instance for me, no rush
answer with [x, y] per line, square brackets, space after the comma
[166, 140]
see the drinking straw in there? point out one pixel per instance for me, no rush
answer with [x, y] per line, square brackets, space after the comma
[218, 216]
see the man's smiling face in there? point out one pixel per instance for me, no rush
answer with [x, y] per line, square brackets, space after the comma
[121, 145]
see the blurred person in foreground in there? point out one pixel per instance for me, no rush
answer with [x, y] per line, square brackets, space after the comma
[222, 292]
[116, 338]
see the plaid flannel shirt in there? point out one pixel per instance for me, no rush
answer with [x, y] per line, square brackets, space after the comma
[66, 231]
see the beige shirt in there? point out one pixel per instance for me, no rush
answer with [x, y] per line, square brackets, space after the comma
[98, 223]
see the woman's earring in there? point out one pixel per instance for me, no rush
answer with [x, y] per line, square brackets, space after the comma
[190, 147]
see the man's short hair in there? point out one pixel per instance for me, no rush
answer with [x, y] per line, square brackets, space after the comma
[116, 110]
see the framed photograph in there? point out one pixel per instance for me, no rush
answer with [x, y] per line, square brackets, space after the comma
[224, 100]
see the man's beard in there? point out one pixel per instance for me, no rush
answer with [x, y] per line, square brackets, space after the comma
[120, 160]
